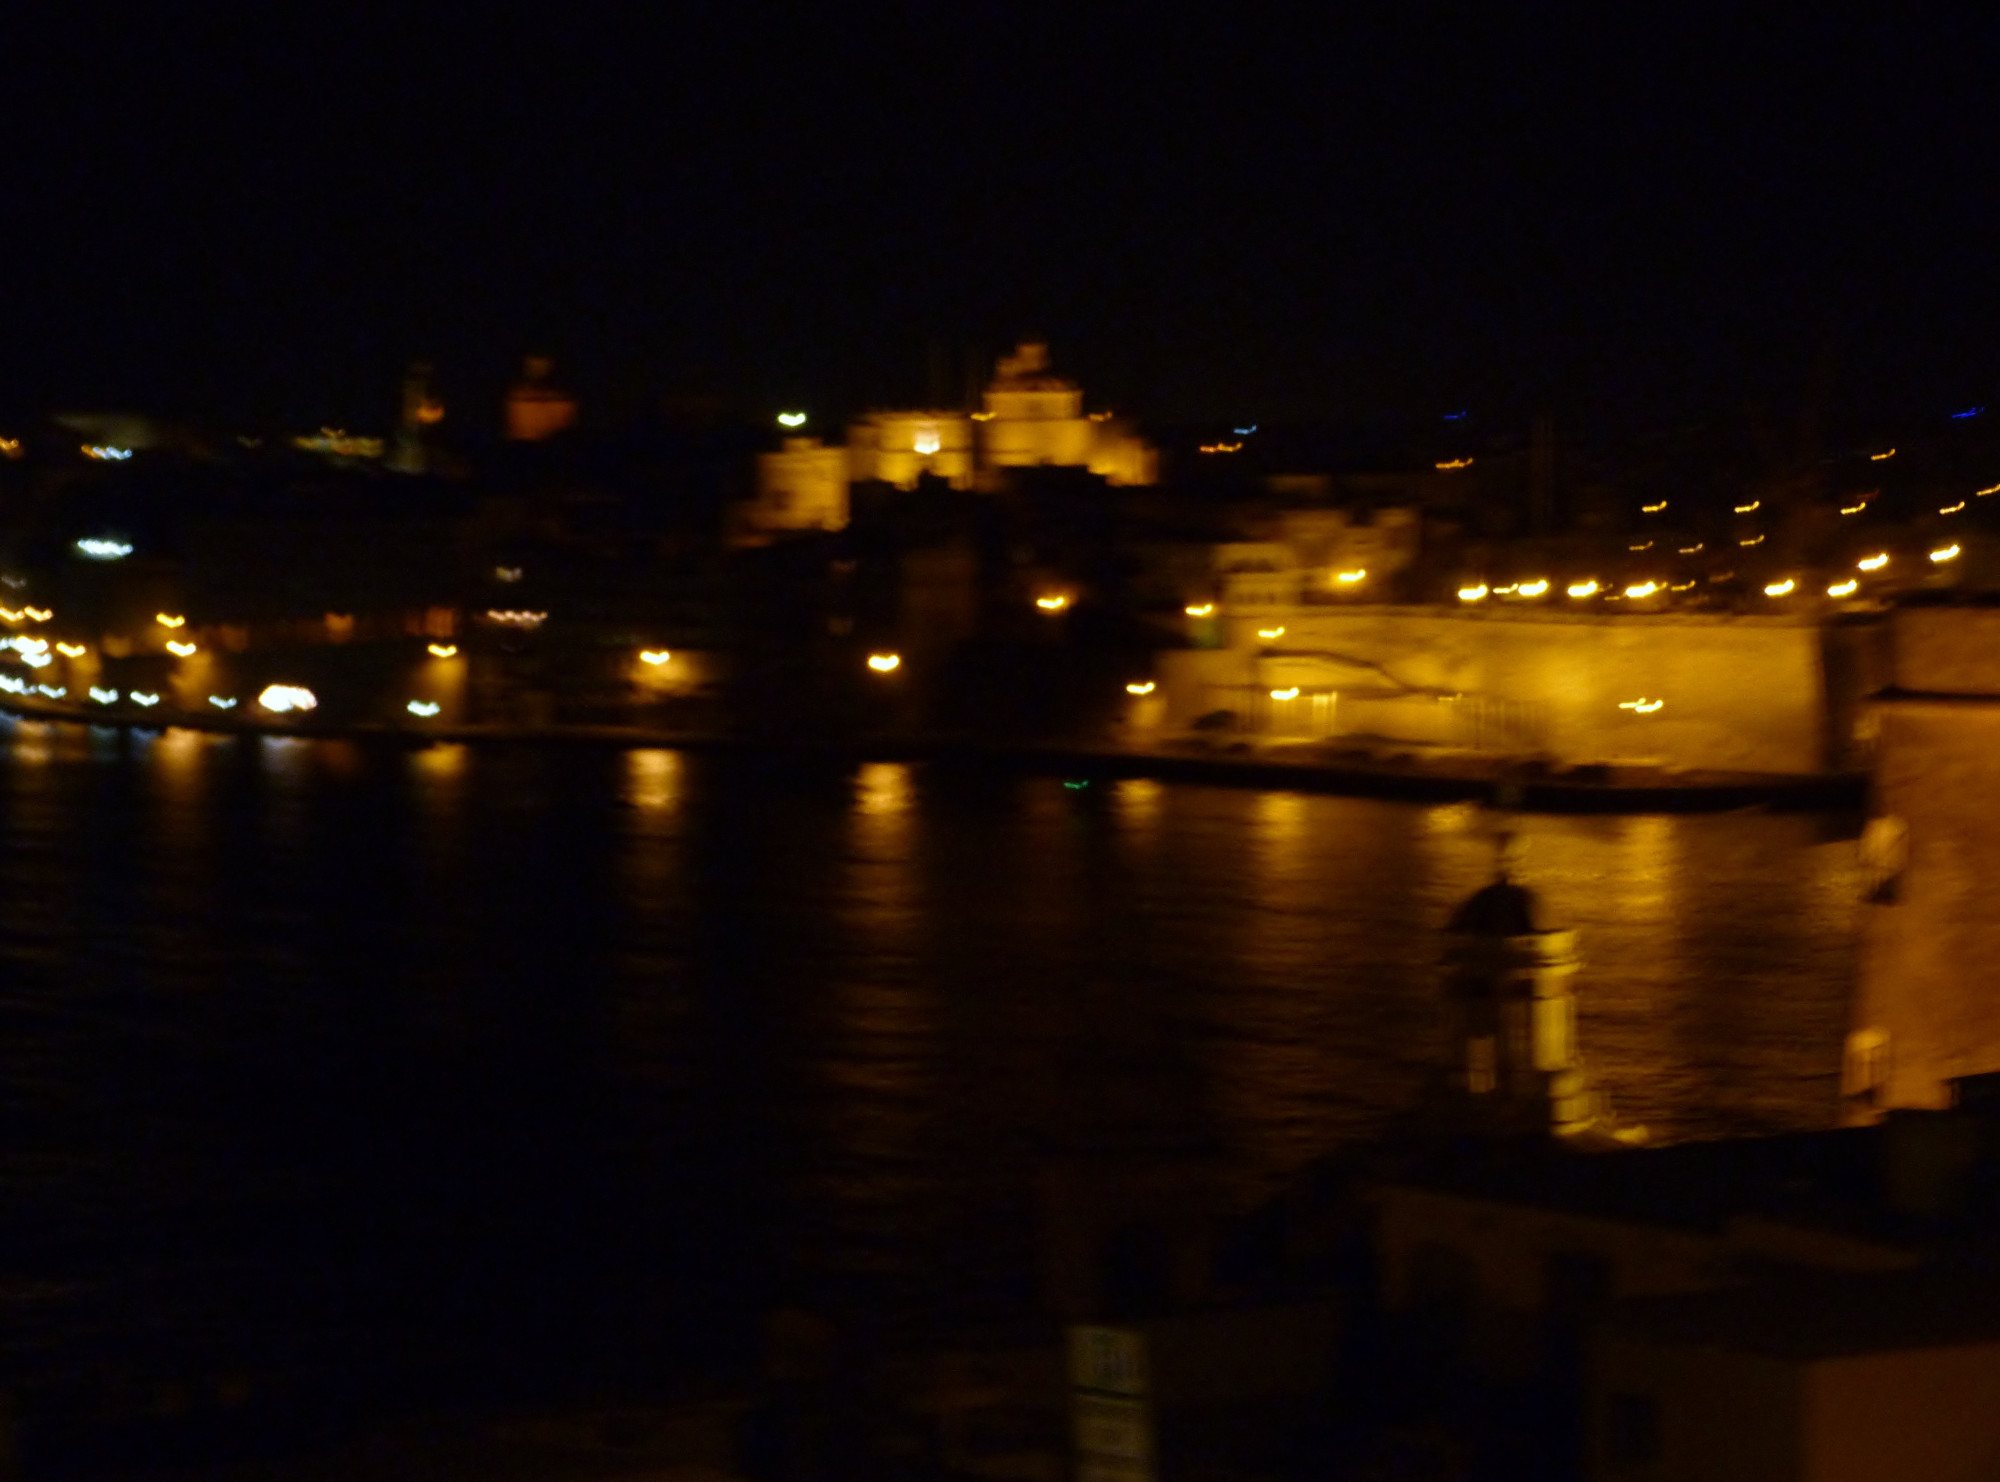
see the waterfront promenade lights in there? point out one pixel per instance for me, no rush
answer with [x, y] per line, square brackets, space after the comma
[1140, 687]
[1944, 554]
[1053, 602]
[442, 650]
[1287, 694]
[1642, 589]
[885, 663]
[1200, 609]
[1783, 588]
[1535, 588]
[286, 699]
[169, 620]
[424, 708]
[1271, 635]
[1875, 562]
[1473, 593]
[1641, 707]
[1345, 578]
[791, 419]
[654, 657]
[1843, 588]
[181, 650]
[1582, 589]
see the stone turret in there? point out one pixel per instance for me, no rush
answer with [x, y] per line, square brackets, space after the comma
[1512, 1015]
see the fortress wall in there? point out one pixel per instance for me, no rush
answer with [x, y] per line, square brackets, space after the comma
[1926, 1003]
[1740, 693]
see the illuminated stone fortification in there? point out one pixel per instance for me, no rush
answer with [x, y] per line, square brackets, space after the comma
[900, 447]
[1926, 1009]
[1687, 690]
[1030, 416]
[801, 487]
[1033, 416]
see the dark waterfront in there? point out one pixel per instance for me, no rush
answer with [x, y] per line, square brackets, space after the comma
[557, 1066]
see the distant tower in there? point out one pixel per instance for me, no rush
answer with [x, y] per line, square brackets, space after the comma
[536, 409]
[421, 411]
[1512, 1014]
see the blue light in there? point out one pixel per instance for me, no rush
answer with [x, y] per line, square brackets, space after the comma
[1454, 416]
[1968, 412]
[1246, 431]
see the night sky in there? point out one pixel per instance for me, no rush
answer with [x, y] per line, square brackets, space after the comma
[1233, 213]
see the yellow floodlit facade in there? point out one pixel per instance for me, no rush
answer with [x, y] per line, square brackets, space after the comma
[536, 408]
[802, 486]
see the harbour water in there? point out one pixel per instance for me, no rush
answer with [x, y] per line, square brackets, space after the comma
[512, 1067]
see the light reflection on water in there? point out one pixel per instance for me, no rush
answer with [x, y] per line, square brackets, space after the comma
[664, 1023]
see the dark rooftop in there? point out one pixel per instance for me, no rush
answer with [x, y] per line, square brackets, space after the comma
[1821, 1317]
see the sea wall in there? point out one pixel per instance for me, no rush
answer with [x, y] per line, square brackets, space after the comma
[1687, 690]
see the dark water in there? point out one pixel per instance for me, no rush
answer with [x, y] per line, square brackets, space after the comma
[530, 1064]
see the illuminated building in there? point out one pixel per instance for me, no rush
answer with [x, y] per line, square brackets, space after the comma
[537, 410]
[1032, 416]
[1029, 417]
[803, 486]
[901, 447]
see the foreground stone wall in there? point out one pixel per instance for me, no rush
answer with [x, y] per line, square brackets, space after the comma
[1927, 1008]
[1724, 692]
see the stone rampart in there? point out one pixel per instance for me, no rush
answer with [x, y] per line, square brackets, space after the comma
[1687, 690]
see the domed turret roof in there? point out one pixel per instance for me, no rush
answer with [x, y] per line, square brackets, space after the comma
[1502, 909]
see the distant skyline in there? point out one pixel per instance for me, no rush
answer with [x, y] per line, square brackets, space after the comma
[1241, 217]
